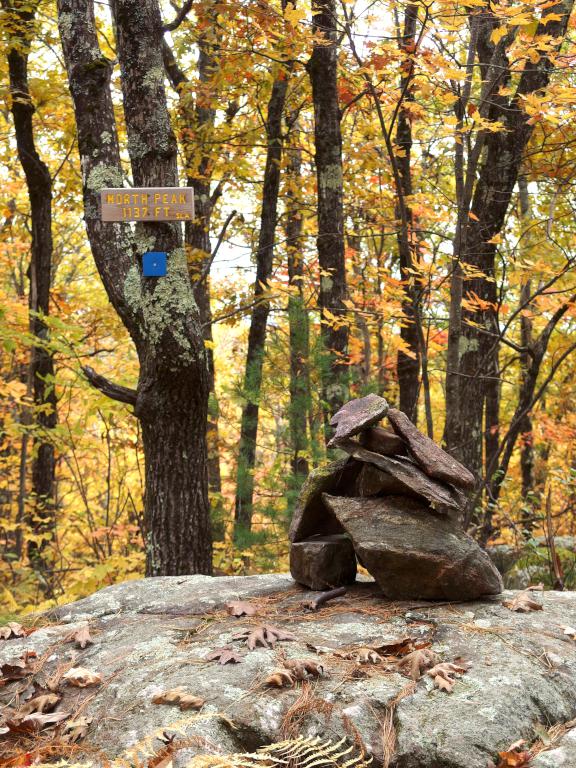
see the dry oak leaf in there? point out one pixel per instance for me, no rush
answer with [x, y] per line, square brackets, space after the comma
[400, 647]
[241, 608]
[75, 730]
[41, 704]
[280, 678]
[414, 664]
[301, 669]
[12, 629]
[523, 603]
[226, 655]
[80, 636]
[179, 697]
[514, 757]
[443, 675]
[82, 677]
[36, 722]
[266, 636]
[16, 669]
[364, 656]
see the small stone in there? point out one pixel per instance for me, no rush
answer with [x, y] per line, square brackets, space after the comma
[443, 498]
[323, 562]
[375, 482]
[356, 415]
[433, 460]
[310, 515]
[412, 553]
[383, 441]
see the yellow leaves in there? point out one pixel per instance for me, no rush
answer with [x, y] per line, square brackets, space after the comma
[294, 15]
[498, 33]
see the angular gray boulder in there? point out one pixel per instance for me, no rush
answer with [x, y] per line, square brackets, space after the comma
[413, 553]
[152, 635]
[323, 562]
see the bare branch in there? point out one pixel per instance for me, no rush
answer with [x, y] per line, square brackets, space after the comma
[108, 388]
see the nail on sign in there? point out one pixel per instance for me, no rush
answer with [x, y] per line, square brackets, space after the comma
[148, 204]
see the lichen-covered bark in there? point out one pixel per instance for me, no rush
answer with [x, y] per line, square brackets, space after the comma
[160, 314]
[323, 70]
[41, 374]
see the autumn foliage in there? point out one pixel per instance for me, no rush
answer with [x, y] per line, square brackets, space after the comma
[458, 264]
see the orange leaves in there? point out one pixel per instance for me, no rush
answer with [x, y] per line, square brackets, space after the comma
[514, 757]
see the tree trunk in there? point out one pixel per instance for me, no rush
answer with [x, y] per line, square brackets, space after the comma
[257, 335]
[297, 316]
[323, 71]
[494, 161]
[41, 519]
[408, 362]
[160, 313]
[526, 339]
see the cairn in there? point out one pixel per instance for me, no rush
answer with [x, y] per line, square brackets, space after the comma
[395, 504]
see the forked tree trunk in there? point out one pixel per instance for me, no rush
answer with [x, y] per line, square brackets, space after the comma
[323, 71]
[41, 519]
[160, 314]
[486, 191]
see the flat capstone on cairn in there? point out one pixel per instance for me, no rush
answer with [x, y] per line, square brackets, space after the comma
[395, 504]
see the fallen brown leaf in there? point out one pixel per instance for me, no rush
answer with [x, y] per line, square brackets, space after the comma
[417, 662]
[364, 656]
[304, 668]
[75, 730]
[523, 603]
[82, 677]
[16, 669]
[225, 655]
[80, 636]
[280, 678]
[43, 703]
[443, 675]
[266, 636]
[179, 697]
[514, 757]
[241, 608]
[401, 647]
[12, 629]
[36, 722]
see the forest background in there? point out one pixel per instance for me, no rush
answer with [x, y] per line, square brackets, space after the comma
[384, 203]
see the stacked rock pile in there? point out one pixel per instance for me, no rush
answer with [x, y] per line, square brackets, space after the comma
[396, 504]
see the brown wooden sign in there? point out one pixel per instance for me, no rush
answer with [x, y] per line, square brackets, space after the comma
[148, 204]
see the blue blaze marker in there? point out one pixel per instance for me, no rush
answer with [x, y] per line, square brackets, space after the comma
[154, 264]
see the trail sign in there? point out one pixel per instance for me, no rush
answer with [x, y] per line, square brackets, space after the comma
[148, 204]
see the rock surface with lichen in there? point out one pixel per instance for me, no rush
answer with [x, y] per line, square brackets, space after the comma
[155, 634]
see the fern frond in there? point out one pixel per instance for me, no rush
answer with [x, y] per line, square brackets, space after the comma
[302, 752]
